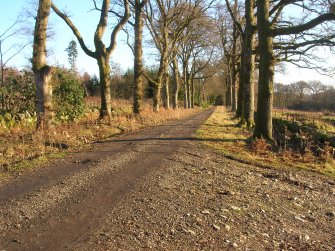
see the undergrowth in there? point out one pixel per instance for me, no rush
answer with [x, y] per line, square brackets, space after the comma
[21, 142]
[298, 143]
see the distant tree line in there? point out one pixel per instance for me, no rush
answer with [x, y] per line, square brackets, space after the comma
[306, 96]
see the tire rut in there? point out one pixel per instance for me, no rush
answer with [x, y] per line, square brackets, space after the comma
[59, 211]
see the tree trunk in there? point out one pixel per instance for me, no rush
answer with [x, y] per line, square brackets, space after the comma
[199, 94]
[175, 90]
[157, 96]
[238, 93]
[163, 67]
[44, 97]
[204, 101]
[248, 66]
[138, 59]
[185, 96]
[236, 99]
[105, 80]
[263, 127]
[192, 91]
[228, 79]
[166, 91]
[234, 87]
[188, 93]
[185, 79]
[42, 71]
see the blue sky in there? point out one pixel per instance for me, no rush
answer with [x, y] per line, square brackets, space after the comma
[82, 17]
[86, 21]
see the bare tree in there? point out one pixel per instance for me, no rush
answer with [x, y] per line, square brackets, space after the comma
[166, 21]
[315, 87]
[42, 71]
[7, 53]
[300, 89]
[237, 86]
[158, 19]
[230, 34]
[138, 54]
[195, 51]
[245, 104]
[137, 8]
[227, 38]
[269, 26]
[176, 80]
[102, 53]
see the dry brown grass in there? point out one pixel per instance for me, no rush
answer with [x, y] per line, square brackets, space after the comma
[22, 142]
[221, 133]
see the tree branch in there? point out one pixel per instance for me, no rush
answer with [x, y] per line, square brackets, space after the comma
[303, 27]
[232, 14]
[74, 30]
[119, 26]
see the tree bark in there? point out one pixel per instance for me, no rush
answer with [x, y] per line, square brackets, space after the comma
[42, 71]
[263, 127]
[157, 96]
[229, 85]
[185, 96]
[138, 58]
[199, 94]
[175, 91]
[192, 91]
[163, 66]
[248, 65]
[185, 79]
[188, 85]
[105, 81]
[236, 86]
[166, 91]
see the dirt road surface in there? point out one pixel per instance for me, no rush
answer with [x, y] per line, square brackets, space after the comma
[161, 189]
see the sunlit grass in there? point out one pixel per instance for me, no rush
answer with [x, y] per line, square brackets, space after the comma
[21, 144]
[221, 133]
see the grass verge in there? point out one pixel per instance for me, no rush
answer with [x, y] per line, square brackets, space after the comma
[221, 133]
[22, 148]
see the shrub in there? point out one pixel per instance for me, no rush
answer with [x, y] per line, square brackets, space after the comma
[68, 95]
[17, 95]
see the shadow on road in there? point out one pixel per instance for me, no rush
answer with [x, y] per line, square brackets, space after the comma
[170, 139]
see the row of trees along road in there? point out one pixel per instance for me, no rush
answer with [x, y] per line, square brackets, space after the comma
[271, 32]
[167, 22]
[196, 40]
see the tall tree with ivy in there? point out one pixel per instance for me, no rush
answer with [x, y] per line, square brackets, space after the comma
[72, 54]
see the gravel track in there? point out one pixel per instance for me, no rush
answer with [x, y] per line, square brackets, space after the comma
[161, 189]
[55, 207]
